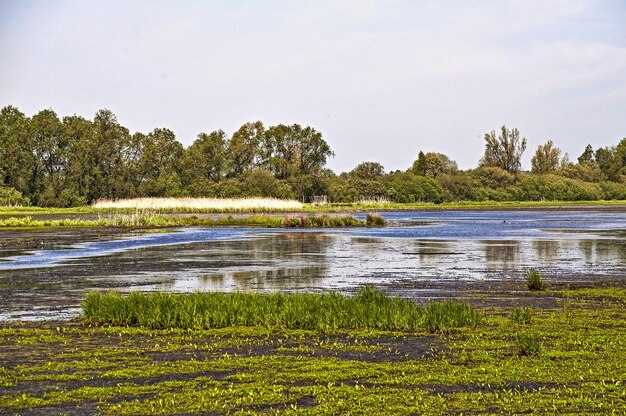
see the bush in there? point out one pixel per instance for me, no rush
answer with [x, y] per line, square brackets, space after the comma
[11, 197]
[374, 220]
[534, 280]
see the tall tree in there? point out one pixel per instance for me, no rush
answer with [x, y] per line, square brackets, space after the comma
[587, 155]
[204, 159]
[243, 150]
[15, 151]
[291, 150]
[505, 150]
[159, 163]
[109, 145]
[48, 144]
[433, 164]
[546, 158]
[368, 170]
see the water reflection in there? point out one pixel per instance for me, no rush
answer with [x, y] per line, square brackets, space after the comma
[461, 249]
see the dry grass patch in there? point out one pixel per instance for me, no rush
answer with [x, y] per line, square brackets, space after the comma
[202, 204]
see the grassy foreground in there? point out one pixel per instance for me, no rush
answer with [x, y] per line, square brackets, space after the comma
[570, 359]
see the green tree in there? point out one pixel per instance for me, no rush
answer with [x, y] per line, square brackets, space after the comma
[291, 150]
[433, 164]
[243, 150]
[587, 155]
[546, 158]
[505, 150]
[49, 148]
[368, 170]
[159, 163]
[204, 160]
[16, 155]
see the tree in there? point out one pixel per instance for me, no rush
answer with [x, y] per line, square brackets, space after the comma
[587, 156]
[291, 150]
[368, 170]
[15, 150]
[159, 163]
[546, 158]
[204, 159]
[243, 149]
[109, 143]
[504, 151]
[433, 164]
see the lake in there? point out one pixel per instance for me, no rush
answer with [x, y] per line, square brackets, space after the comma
[422, 255]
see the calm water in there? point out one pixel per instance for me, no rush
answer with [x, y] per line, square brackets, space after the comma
[426, 254]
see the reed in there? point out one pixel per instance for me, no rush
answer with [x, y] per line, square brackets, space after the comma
[534, 280]
[202, 204]
[368, 309]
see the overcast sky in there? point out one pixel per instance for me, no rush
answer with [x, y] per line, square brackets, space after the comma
[380, 79]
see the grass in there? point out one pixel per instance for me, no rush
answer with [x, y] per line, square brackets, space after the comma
[368, 309]
[521, 316]
[534, 280]
[579, 368]
[202, 204]
[311, 208]
[147, 220]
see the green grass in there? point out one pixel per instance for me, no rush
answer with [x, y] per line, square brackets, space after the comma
[495, 368]
[155, 221]
[534, 280]
[368, 309]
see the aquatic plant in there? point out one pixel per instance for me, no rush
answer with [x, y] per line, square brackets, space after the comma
[375, 220]
[528, 345]
[368, 309]
[534, 280]
[521, 316]
[148, 220]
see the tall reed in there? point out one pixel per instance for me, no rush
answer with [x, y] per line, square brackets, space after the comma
[368, 309]
[202, 204]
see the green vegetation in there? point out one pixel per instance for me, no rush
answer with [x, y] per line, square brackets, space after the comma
[53, 162]
[156, 221]
[521, 316]
[571, 361]
[368, 309]
[534, 280]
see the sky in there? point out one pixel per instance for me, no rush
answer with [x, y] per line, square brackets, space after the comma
[381, 80]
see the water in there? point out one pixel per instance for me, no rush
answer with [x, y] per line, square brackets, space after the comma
[427, 254]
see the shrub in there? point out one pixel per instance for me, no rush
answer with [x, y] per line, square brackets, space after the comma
[375, 220]
[534, 280]
[12, 197]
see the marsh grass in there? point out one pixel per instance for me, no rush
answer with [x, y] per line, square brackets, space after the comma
[375, 220]
[534, 280]
[322, 221]
[528, 345]
[368, 309]
[143, 219]
[202, 204]
[521, 316]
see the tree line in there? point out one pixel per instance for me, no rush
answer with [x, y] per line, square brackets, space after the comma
[73, 161]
